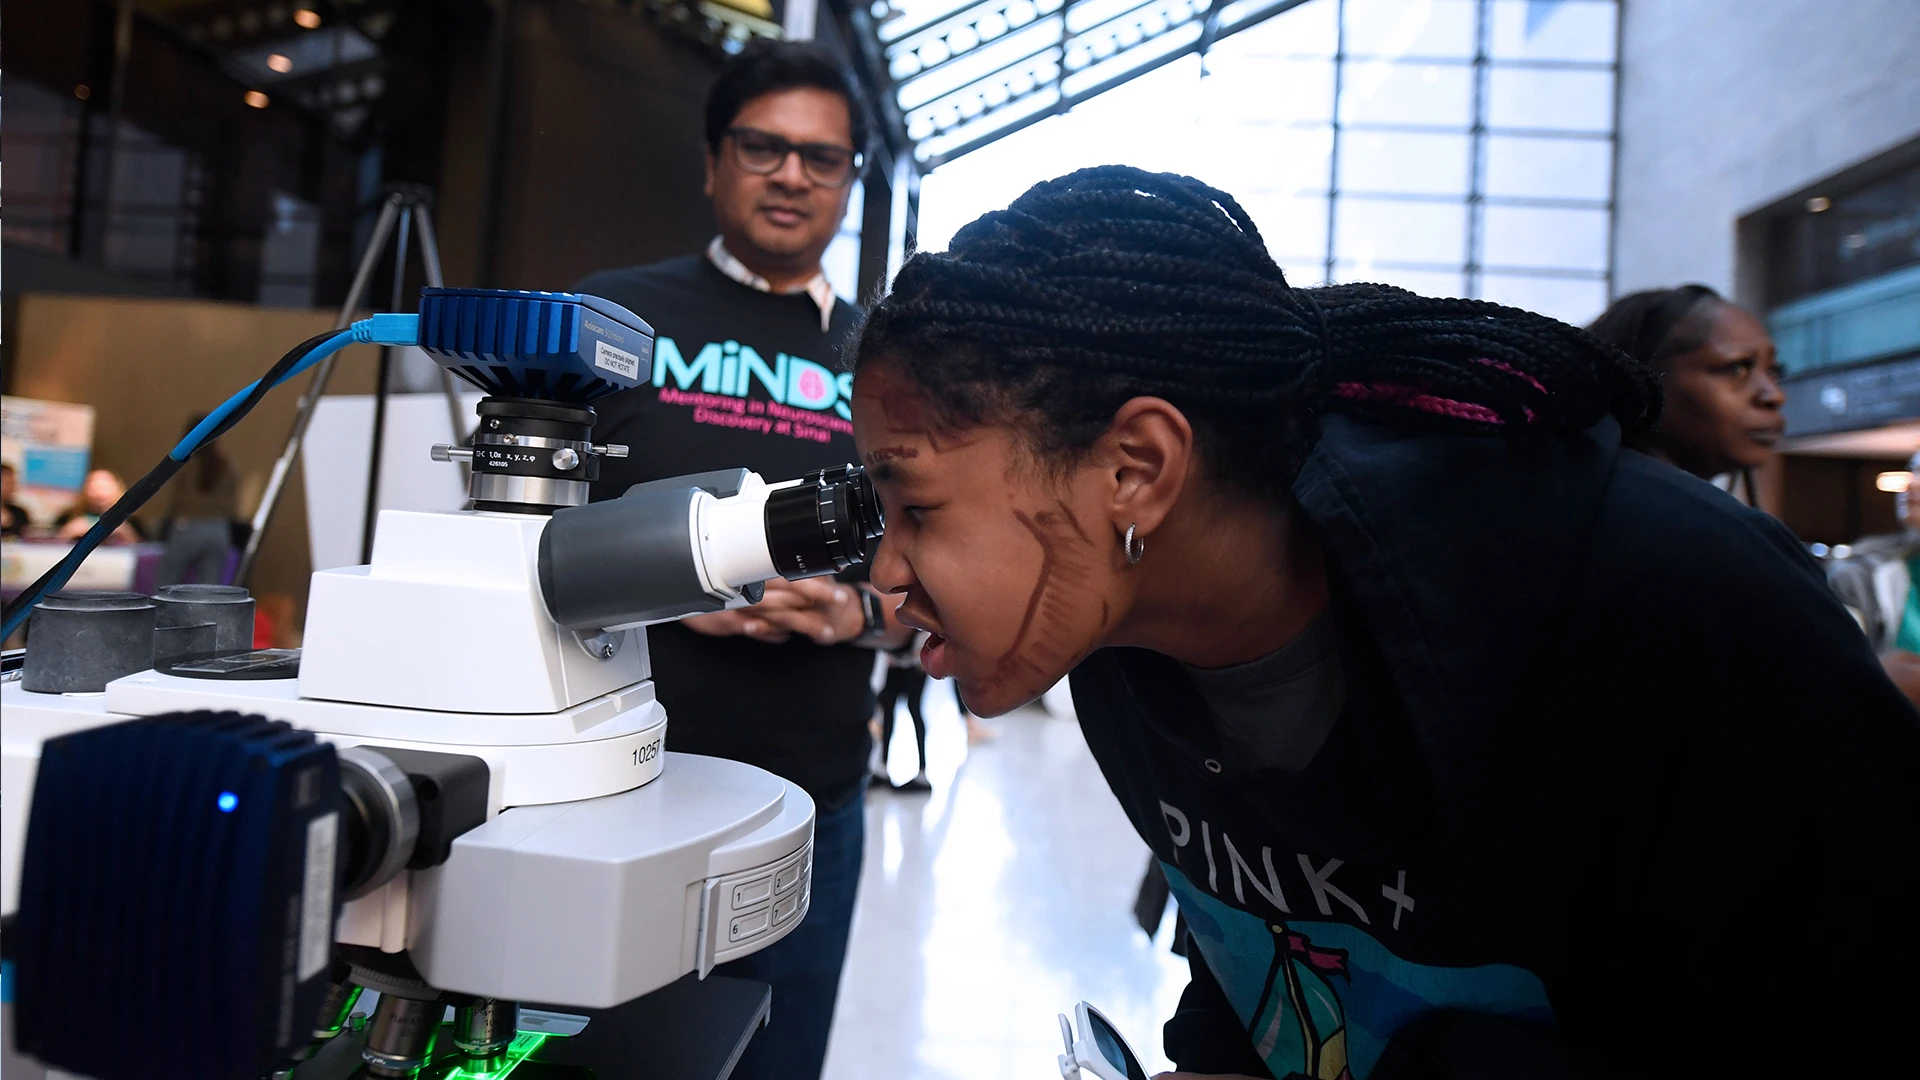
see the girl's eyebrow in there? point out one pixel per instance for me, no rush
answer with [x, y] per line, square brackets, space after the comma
[881, 461]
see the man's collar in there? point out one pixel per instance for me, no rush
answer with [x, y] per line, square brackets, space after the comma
[816, 287]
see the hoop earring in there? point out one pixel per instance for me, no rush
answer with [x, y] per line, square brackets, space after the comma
[1136, 548]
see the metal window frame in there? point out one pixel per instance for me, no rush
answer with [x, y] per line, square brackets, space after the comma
[1055, 95]
[1058, 95]
[1473, 267]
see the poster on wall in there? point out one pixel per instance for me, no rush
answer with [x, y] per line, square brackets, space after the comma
[49, 444]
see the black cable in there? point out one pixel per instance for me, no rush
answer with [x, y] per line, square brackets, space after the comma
[149, 485]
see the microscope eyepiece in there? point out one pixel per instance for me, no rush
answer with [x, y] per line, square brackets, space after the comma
[823, 524]
[700, 543]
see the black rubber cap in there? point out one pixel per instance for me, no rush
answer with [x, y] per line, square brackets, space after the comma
[77, 643]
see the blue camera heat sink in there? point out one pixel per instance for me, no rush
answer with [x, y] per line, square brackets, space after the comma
[177, 898]
[562, 347]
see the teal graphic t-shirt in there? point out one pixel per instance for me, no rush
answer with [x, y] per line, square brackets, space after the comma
[1909, 636]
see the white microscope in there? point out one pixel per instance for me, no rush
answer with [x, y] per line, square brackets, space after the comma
[465, 760]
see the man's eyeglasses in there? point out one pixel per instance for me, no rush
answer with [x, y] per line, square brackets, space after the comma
[762, 153]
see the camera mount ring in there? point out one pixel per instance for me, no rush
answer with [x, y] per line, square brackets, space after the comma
[384, 798]
[501, 491]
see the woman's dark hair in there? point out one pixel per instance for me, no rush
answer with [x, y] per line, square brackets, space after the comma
[766, 67]
[1114, 283]
[1658, 324]
[210, 461]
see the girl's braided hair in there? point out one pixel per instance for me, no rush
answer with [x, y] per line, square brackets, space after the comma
[1112, 283]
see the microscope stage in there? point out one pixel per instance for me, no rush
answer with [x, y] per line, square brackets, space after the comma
[594, 903]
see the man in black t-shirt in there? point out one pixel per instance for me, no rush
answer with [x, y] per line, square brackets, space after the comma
[748, 335]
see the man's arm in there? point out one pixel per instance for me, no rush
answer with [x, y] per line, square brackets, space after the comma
[1852, 580]
[821, 609]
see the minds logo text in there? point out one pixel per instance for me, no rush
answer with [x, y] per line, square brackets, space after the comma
[732, 369]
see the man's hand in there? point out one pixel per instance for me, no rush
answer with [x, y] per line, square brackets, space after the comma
[1904, 668]
[818, 608]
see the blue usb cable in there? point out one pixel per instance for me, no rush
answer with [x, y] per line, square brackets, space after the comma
[391, 329]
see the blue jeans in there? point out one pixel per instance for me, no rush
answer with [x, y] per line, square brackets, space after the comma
[196, 551]
[804, 967]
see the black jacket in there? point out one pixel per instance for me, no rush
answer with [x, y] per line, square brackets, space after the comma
[1619, 789]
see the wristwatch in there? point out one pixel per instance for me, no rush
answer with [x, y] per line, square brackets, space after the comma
[876, 615]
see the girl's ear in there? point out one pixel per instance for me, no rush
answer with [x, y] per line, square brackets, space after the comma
[1147, 450]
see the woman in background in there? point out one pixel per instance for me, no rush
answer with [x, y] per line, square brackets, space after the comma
[1719, 372]
[101, 489]
[14, 519]
[907, 680]
[205, 503]
[1876, 582]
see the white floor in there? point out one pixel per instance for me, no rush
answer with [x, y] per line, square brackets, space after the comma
[992, 904]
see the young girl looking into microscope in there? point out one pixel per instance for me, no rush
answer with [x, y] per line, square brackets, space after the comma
[1471, 743]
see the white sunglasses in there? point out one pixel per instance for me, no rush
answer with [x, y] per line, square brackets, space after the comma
[1100, 1053]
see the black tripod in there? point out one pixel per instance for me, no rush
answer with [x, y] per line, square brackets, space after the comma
[406, 206]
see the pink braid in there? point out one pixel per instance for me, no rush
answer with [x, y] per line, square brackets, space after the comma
[1413, 397]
